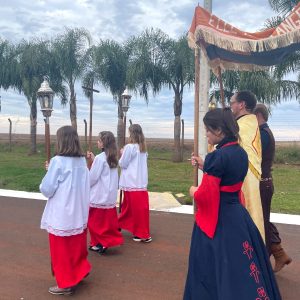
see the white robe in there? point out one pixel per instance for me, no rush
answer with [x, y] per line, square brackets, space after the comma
[104, 183]
[134, 169]
[67, 187]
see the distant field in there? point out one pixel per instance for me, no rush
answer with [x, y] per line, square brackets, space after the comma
[19, 171]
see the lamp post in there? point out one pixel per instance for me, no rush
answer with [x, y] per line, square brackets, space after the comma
[125, 105]
[45, 95]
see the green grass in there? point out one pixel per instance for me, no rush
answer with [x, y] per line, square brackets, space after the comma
[20, 171]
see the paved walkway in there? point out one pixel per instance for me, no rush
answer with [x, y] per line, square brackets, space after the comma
[134, 271]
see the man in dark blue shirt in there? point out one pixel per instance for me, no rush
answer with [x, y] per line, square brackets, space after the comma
[273, 241]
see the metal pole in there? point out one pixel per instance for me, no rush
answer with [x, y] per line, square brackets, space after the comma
[10, 126]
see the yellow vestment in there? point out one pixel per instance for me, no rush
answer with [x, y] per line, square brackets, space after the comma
[250, 141]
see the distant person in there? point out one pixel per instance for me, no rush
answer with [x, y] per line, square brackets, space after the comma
[228, 259]
[66, 185]
[104, 179]
[242, 104]
[134, 215]
[273, 241]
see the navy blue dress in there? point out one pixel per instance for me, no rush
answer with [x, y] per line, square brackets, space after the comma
[234, 263]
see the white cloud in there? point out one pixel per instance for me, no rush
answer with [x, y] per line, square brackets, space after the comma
[116, 19]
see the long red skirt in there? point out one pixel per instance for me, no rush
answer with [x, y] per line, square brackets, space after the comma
[134, 215]
[103, 227]
[69, 258]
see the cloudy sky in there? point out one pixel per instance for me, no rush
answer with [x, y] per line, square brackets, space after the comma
[119, 19]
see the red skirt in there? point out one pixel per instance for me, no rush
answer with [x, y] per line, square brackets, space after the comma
[134, 216]
[69, 258]
[103, 227]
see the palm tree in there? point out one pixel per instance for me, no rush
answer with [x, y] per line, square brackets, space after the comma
[89, 79]
[283, 6]
[158, 61]
[268, 87]
[33, 61]
[70, 49]
[111, 61]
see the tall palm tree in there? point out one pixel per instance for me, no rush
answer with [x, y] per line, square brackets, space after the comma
[158, 61]
[33, 61]
[70, 49]
[7, 64]
[111, 61]
[89, 79]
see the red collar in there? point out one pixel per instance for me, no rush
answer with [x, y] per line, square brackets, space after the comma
[229, 144]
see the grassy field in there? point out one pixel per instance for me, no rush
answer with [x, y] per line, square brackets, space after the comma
[19, 171]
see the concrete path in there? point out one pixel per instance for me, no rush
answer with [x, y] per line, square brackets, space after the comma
[134, 271]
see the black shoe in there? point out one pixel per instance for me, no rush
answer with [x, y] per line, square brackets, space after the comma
[102, 250]
[94, 248]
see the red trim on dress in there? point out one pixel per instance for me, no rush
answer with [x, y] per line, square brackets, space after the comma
[207, 198]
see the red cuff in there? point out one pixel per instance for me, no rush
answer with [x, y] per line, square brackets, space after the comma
[207, 199]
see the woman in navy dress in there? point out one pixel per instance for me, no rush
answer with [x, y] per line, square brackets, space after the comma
[228, 258]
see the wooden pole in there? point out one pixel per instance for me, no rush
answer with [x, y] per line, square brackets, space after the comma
[47, 138]
[10, 126]
[85, 133]
[91, 121]
[91, 98]
[221, 86]
[196, 112]
[182, 139]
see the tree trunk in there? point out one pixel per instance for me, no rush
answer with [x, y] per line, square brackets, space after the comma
[33, 118]
[177, 127]
[177, 148]
[73, 108]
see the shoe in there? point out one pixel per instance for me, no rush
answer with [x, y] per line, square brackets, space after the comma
[94, 248]
[102, 250]
[148, 240]
[55, 290]
[281, 258]
[137, 239]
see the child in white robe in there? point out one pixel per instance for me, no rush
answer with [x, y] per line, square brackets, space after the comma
[134, 215]
[66, 185]
[103, 219]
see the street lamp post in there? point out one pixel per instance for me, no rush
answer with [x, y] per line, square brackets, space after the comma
[125, 105]
[45, 95]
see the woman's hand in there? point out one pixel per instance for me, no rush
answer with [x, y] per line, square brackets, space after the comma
[121, 151]
[193, 189]
[46, 165]
[197, 161]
